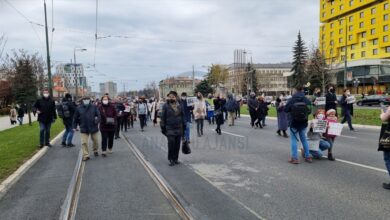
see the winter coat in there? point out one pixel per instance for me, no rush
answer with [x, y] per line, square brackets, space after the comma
[218, 106]
[107, 111]
[262, 109]
[120, 108]
[88, 118]
[12, 114]
[231, 104]
[21, 112]
[47, 109]
[345, 107]
[252, 104]
[186, 110]
[330, 101]
[282, 116]
[200, 109]
[172, 120]
[297, 97]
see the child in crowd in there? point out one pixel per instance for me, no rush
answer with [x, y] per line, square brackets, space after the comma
[317, 143]
[330, 118]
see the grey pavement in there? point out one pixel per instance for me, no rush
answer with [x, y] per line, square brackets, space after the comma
[250, 166]
[5, 122]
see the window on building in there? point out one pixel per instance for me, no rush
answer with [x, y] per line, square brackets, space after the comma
[386, 6]
[373, 31]
[342, 57]
[387, 49]
[350, 28]
[363, 54]
[352, 56]
[323, 14]
[342, 49]
[373, 10]
[361, 14]
[386, 17]
[386, 27]
[331, 42]
[332, 11]
[361, 24]
[353, 46]
[350, 37]
[341, 7]
[340, 31]
[386, 38]
[375, 51]
[364, 34]
[363, 44]
[331, 25]
[331, 34]
[375, 42]
[373, 21]
[351, 3]
[340, 40]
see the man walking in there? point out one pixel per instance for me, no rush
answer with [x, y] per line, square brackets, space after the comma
[252, 105]
[187, 115]
[46, 111]
[231, 107]
[298, 109]
[331, 100]
[87, 116]
[142, 112]
[66, 111]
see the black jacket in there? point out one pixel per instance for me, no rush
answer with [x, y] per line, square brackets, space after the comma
[72, 108]
[47, 109]
[345, 106]
[330, 101]
[20, 112]
[172, 123]
[253, 104]
[88, 117]
[297, 97]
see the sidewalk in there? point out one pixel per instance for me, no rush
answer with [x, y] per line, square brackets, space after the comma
[6, 124]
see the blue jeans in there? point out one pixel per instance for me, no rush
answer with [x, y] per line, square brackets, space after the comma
[44, 133]
[386, 157]
[294, 135]
[68, 135]
[20, 119]
[323, 145]
[187, 131]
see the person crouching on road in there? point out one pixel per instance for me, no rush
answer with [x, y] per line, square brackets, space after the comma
[298, 110]
[87, 116]
[330, 118]
[317, 143]
[199, 113]
[46, 110]
[173, 126]
[107, 125]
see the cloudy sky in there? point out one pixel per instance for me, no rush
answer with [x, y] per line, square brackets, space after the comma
[147, 40]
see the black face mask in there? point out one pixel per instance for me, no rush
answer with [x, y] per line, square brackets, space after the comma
[172, 101]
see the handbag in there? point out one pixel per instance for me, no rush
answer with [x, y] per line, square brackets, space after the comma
[185, 147]
[109, 120]
[384, 138]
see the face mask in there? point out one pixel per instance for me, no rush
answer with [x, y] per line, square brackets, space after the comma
[45, 95]
[105, 102]
[331, 90]
[320, 116]
[183, 98]
[172, 100]
[348, 93]
[86, 102]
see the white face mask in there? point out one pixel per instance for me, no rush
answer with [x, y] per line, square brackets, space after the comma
[348, 93]
[86, 101]
[183, 98]
[105, 102]
[45, 95]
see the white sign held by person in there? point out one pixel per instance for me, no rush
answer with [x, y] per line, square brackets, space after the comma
[320, 101]
[268, 99]
[351, 99]
[191, 101]
[335, 129]
[319, 126]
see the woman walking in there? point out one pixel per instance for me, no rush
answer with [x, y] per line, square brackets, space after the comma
[199, 113]
[347, 109]
[218, 113]
[12, 115]
[282, 116]
[172, 126]
[108, 124]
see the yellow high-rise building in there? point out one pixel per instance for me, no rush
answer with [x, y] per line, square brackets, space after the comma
[358, 31]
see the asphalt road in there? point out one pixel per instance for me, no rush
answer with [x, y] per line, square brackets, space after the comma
[242, 174]
[250, 168]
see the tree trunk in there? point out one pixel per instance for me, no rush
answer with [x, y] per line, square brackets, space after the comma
[29, 114]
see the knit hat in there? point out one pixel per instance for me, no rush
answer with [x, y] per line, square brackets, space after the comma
[330, 111]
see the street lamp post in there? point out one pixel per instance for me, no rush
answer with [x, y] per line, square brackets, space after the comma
[345, 51]
[75, 72]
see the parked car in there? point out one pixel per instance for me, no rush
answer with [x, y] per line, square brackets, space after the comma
[374, 100]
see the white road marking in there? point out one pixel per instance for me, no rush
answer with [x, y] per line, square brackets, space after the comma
[346, 136]
[236, 135]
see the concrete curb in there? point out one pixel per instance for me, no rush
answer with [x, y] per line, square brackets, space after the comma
[15, 176]
[345, 125]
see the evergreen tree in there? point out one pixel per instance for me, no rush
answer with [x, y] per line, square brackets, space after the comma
[298, 77]
[317, 72]
[204, 88]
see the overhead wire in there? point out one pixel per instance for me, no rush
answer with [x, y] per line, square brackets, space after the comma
[28, 20]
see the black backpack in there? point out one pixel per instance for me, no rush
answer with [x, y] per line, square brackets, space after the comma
[63, 110]
[299, 111]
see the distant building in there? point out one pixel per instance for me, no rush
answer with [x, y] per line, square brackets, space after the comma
[108, 87]
[178, 84]
[271, 78]
[67, 71]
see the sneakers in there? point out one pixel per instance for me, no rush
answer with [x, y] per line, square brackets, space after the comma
[293, 161]
[278, 132]
[386, 186]
[85, 158]
[331, 157]
[176, 162]
[104, 154]
[96, 154]
[309, 159]
[71, 145]
[63, 144]
[171, 163]
[109, 150]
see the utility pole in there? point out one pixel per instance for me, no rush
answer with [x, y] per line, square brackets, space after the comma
[346, 53]
[193, 79]
[48, 54]
[75, 74]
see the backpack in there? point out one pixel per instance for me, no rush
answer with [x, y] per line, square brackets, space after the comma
[299, 111]
[63, 110]
[142, 109]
